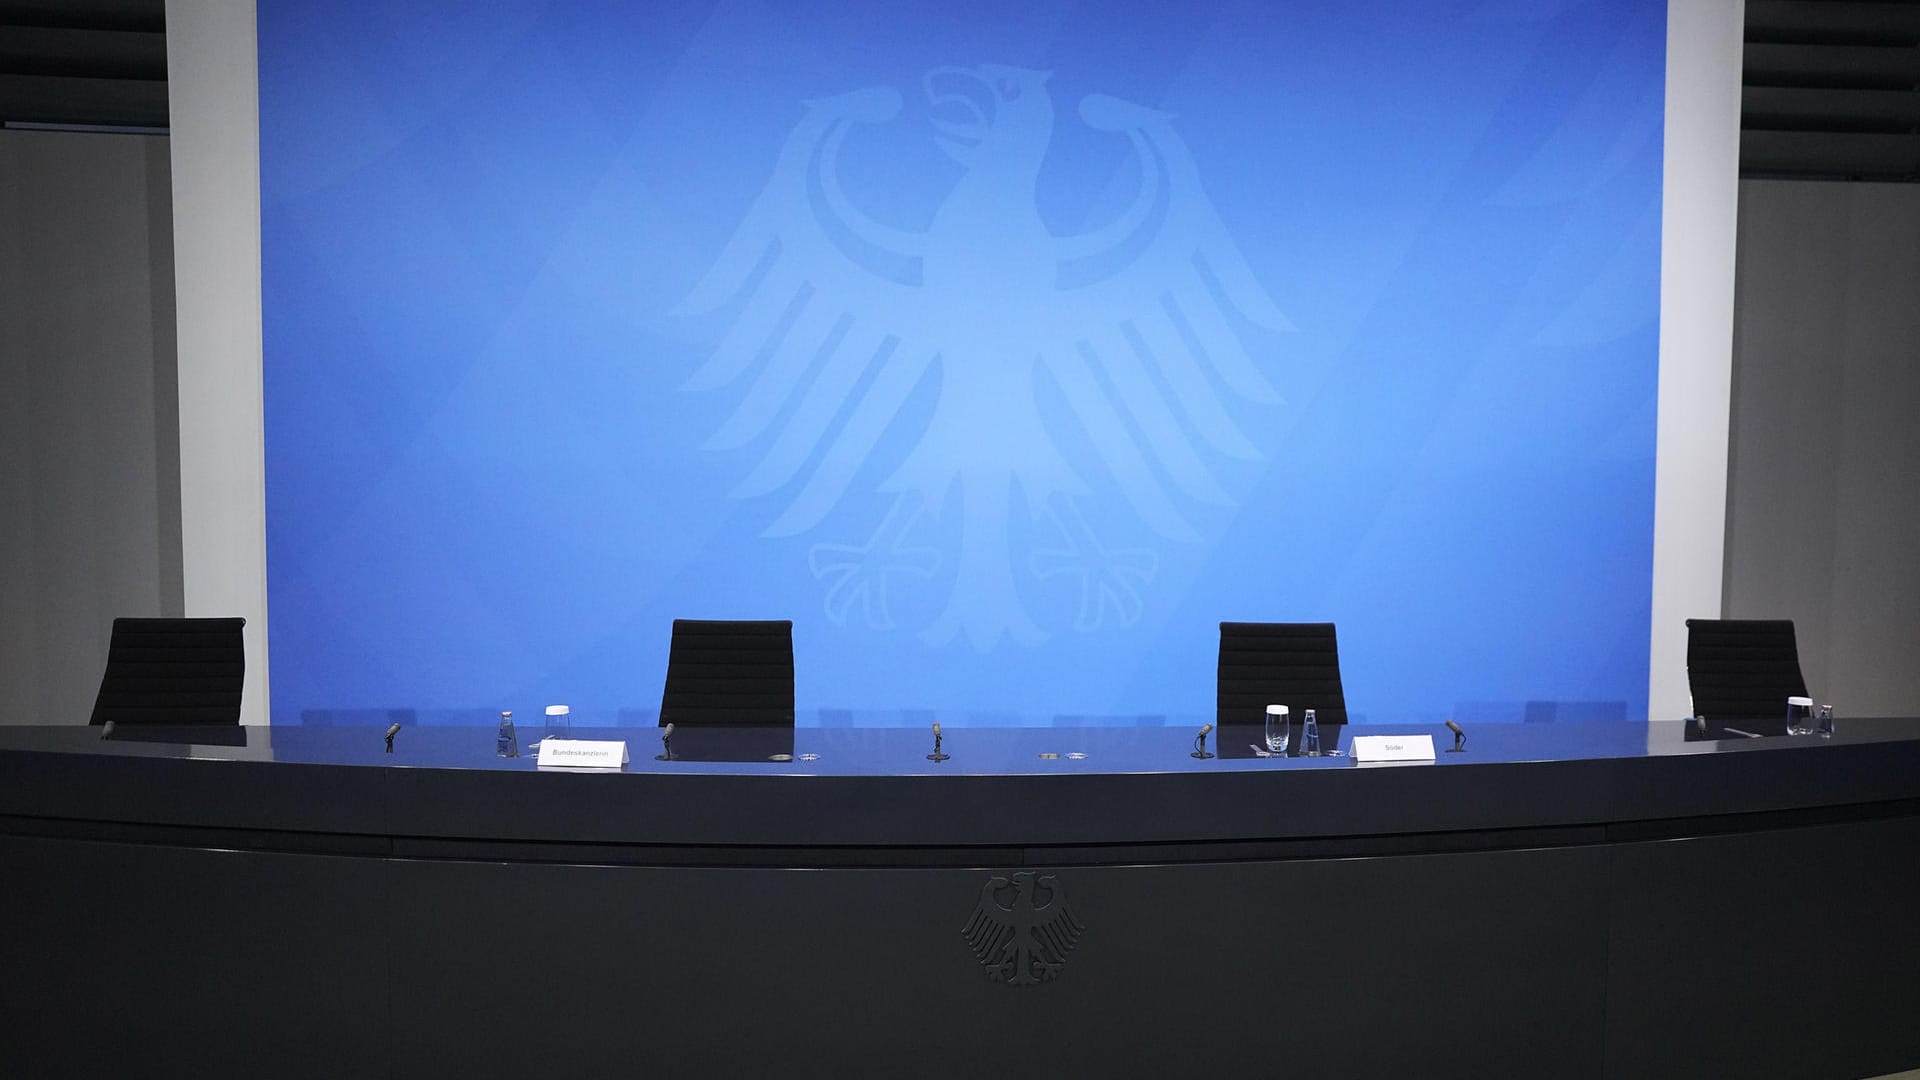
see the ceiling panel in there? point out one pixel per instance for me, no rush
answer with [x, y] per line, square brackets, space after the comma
[84, 62]
[1831, 90]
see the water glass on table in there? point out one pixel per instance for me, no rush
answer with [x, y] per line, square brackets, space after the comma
[1277, 732]
[559, 721]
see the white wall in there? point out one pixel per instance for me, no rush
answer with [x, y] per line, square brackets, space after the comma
[214, 103]
[89, 472]
[1696, 332]
[1823, 513]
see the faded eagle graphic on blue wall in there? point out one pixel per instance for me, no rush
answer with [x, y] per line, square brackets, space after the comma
[841, 317]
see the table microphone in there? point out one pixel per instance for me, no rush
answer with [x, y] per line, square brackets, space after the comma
[938, 754]
[1200, 741]
[666, 743]
[391, 732]
[1459, 738]
[106, 730]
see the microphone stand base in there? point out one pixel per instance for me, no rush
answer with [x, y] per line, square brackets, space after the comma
[1201, 754]
[938, 756]
[663, 757]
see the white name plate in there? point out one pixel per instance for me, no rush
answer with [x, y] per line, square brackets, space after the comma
[1392, 748]
[583, 753]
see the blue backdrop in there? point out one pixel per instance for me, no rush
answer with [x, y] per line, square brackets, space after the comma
[1005, 347]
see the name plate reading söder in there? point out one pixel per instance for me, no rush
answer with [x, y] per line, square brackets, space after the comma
[583, 753]
[1392, 748]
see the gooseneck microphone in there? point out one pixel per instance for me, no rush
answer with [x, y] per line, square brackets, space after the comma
[1459, 738]
[106, 730]
[938, 754]
[666, 744]
[391, 732]
[1200, 742]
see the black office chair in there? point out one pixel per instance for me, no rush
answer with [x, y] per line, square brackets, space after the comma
[1743, 669]
[729, 673]
[1291, 664]
[172, 671]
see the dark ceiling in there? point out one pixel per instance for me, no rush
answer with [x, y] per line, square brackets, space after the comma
[1831, 88]
[84, 62]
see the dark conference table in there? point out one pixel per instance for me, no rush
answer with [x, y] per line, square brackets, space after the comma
[1606, 899]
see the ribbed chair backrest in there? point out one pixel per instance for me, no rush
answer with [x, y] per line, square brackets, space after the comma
[729, 672]
[1743, 668]
[1291, 664]
[173, 671]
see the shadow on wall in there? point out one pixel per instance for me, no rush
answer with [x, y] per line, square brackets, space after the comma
[357, 717]
[1539, 712]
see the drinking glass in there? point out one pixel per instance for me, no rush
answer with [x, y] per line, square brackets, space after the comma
[1277, 729]
[1799, 716]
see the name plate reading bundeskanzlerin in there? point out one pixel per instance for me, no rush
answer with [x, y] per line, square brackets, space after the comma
[583, 753]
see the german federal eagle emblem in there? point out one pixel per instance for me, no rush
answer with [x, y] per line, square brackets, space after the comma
[1152, 330]
[1022, 929]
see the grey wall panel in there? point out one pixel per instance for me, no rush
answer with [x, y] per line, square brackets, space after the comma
[88, 511]
[166, 373]
[1823, 508]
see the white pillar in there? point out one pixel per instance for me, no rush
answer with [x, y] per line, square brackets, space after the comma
[214, 109]
[1698, 224]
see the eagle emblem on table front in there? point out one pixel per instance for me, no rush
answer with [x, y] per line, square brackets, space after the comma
[1140, 329]
[1022, 929]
